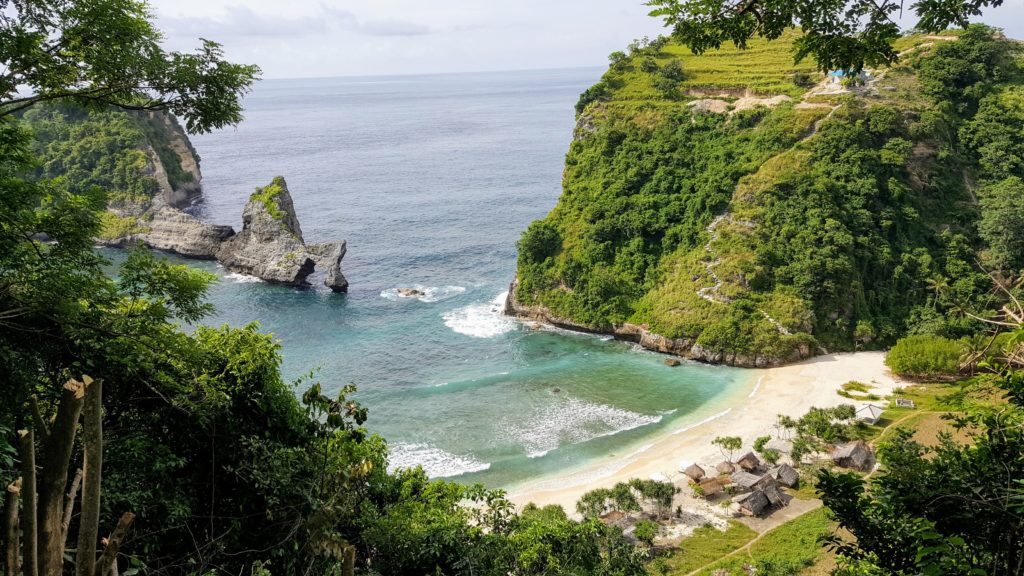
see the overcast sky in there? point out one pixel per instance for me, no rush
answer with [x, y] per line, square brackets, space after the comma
[318, 38]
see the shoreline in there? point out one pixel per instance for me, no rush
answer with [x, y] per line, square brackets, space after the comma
[687, 348]
[790, 390]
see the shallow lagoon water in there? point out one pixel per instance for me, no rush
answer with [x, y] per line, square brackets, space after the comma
[431, 179]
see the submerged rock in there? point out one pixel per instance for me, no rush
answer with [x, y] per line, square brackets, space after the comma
[411, 293]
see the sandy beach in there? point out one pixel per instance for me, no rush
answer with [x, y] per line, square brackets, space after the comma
[789, 390]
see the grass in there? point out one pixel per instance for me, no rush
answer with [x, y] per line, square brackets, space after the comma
[268, 197]
[706, 544]
[790, 548]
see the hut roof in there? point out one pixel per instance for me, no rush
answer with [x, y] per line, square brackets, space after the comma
[752, 503]
[869, 413]
[853, 455]
[749, 462]
[786, 475]
[745, 480]
[711, 486]
[695, 472]
[771, 491]
[724, 467]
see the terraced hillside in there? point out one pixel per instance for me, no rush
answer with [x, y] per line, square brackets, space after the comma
[735, 207]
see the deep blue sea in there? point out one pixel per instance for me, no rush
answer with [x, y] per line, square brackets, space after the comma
[431, 180]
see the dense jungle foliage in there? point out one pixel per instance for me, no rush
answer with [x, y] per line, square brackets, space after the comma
[842, 221]
[106, 148]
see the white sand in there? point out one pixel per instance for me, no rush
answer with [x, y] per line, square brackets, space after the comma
[790, 390]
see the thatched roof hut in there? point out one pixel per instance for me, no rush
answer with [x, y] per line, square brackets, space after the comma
[711, 486]
[752, 503]
[745, 480]
[749, 462]
[724, 467]
[854, 455]
[786, 475]
[695, 472]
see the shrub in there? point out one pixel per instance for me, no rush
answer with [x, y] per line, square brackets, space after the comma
[925, 357]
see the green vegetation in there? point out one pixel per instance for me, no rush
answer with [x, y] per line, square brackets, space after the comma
[113, 226]
[728, 445]
[847, 35]
[706, 545]
[926, 357]
[783, 551]
[772, 232]
[267, 196]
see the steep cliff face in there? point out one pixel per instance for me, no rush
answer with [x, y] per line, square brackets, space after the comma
[736, 208]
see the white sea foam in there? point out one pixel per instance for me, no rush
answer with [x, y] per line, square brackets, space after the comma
[436, 463]
[485, 320]
[571, 422]
[430, 293]
[242, 278]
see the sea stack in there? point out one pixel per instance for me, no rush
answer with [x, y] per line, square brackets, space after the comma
[270, 245]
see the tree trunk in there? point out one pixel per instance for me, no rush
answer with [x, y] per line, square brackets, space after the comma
[30, 559]
[42, 430]
[11, 527]
[109, 557]
[56, 458]
[69, 505]
[349, 567]
[89, 523]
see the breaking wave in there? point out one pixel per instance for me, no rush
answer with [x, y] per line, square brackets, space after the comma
[436, 463]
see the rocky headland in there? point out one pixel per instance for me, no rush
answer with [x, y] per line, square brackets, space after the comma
[270, 245]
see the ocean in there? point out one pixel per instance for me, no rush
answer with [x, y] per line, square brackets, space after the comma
[431, 179]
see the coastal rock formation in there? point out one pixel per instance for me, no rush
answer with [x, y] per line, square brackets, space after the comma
[172, 230]
[270, 245]
[328, 256]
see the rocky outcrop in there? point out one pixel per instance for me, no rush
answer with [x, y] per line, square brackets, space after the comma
[172, 230]
[682, 347]
[270, 245]
[328, 256]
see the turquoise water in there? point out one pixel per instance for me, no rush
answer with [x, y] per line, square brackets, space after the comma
[431, 179]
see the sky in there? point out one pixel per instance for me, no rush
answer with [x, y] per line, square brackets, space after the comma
[322, 38]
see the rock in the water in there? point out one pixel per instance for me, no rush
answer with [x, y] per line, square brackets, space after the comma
[672, 362]
[175, 231]
[328, 256]
[270, 245]
[411, 293]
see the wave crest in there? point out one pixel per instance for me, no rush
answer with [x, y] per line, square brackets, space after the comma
[572, 422]
[430, 293]
[436, 463]
[482, 320]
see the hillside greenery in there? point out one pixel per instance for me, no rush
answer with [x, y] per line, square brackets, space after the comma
[106, 148]
[844, 221]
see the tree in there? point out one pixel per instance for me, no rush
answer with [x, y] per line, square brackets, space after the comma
[1002, 223]
[728, 445]
[844, 35]
[107, 53]
[645, 531]
[950, 509]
